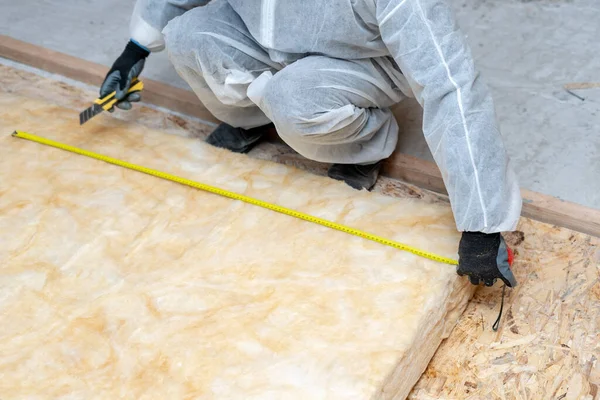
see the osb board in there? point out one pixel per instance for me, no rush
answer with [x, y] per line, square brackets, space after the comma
[553, 265]
[118, 284]
[548, 345]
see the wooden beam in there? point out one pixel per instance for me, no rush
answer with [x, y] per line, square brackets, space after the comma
[416, 171]
[555, 211]
[157, 93]
[536, 206]
[400, 166]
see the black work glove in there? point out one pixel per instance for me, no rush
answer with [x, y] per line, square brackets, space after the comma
[129, 65]
[484, 258]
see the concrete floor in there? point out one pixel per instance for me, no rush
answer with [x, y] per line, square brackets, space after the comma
[526, 50]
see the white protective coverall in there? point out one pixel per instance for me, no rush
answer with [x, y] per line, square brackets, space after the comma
[325, 72]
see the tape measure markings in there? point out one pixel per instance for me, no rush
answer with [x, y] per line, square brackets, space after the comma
[237, 196]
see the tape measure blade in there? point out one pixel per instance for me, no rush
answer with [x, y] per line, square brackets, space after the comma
[237, 196]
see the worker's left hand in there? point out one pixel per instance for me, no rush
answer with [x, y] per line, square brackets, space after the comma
[484, 258]
[128, 66]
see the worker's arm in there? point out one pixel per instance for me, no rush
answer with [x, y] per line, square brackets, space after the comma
[460, 127]
[459, 120]
[148, 19]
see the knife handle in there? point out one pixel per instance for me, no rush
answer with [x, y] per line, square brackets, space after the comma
[108, 101]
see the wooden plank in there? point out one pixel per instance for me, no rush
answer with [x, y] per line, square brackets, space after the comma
[400, 166]
[536, 206]
[416, 171]
[581, 85]
[555, 211]
[157, 93]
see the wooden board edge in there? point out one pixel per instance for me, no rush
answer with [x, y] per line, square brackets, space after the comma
[537, 206]
[403, 167]
[156, 93]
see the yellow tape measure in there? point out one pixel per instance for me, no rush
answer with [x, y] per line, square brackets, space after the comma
[236, 196]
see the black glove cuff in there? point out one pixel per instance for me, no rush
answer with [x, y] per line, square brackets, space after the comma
[134, 51]
[479, 244]
[481, 235]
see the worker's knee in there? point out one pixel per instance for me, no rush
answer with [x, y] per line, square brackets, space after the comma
[202, 44]
[308, 112]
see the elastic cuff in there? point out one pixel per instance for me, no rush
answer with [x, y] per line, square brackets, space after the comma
[481, 234]
[138, 43]
[137, 48]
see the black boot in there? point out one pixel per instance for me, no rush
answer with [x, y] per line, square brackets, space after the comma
[237, 140]
[358, 176]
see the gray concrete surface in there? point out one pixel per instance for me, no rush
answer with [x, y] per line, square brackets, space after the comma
[526, 50]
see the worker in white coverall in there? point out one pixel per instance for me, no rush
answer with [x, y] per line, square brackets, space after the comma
[325, 73]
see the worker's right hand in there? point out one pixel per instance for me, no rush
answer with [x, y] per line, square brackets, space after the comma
[485, 257]
[129, 65]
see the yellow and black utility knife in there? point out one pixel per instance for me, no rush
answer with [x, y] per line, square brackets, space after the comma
[106, 102]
